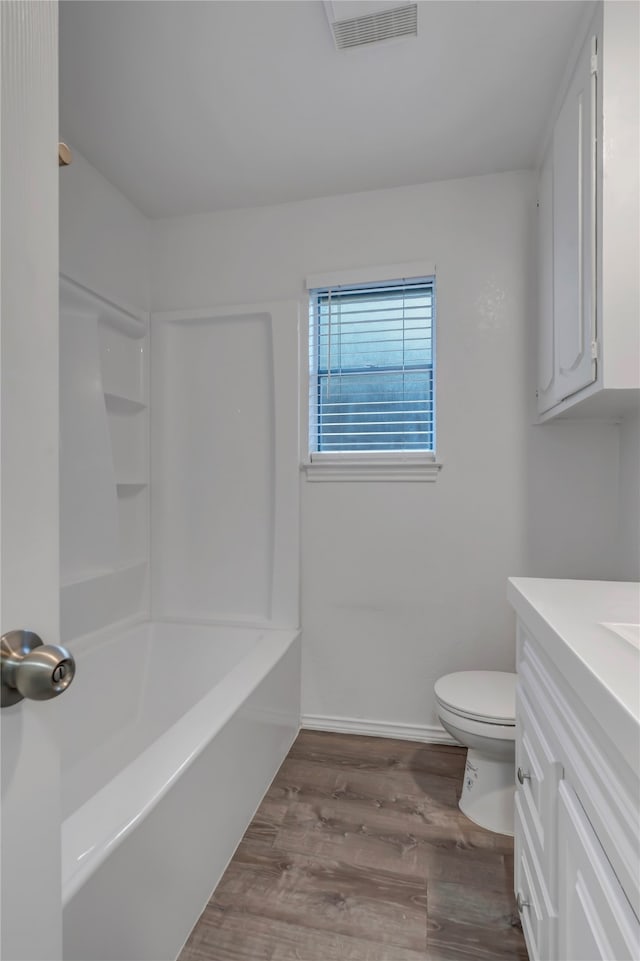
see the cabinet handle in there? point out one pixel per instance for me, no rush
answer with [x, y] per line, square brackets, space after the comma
[521, 903]
[522, 777]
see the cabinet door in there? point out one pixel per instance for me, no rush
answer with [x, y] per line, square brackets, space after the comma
[538, 774]
[546, 383]
[595, 919]
[537, 915]
[574, 230]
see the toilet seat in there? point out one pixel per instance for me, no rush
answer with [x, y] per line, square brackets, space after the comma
[458, 724]
[486, 697]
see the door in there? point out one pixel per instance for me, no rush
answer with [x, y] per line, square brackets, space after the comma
[546, 386]
[574, 230]
[596, 920]
[30, 918]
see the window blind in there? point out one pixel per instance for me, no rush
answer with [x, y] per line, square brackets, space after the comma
[372, 367]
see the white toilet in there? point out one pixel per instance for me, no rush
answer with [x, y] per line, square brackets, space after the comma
[478, 708]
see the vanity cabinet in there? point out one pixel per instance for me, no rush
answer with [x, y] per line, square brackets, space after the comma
[596, 918]
[577, 838]
[588, 228]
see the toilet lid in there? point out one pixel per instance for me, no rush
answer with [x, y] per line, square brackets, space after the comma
[486, 695]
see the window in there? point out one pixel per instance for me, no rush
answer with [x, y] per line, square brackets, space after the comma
[371, 364]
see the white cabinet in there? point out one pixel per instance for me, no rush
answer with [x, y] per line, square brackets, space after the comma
[596, 919]
[574, 229]
[589, 289]
[537, 911]
[577, 837]
[546, 375]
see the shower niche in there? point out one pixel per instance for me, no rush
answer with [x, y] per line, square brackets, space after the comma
[104, 458]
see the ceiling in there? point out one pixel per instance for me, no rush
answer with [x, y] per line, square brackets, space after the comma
[189, 107]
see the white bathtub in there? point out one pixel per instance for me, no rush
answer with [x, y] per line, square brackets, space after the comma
[171, 735]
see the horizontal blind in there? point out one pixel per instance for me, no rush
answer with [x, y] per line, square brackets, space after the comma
[371, 364]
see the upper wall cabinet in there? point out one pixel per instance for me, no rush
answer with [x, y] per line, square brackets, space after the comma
[589, 229]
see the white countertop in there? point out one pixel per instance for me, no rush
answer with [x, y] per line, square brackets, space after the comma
[566, 618]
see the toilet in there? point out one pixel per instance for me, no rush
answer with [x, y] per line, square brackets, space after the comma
[478, 709]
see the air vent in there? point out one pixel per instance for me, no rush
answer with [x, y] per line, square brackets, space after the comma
[398, 21]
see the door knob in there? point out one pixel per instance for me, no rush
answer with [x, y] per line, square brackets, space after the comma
[64, 155]
[29, 668]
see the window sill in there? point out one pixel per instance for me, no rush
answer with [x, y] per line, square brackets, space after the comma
[366, 468]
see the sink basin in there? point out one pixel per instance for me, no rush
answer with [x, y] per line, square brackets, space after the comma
[629, 632]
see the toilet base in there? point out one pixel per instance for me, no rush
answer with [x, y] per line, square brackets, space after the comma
[488, 792]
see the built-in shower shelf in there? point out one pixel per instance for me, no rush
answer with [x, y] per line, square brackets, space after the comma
[121, 404]
[127, 488]
[131, 564]
[71, 578]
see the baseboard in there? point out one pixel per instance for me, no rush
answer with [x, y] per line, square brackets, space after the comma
[427, 733]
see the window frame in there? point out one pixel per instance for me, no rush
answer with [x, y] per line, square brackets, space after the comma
[390, 465]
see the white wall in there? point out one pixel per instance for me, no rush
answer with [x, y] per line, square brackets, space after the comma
[572, 500]
[629, 500]
[404, 582]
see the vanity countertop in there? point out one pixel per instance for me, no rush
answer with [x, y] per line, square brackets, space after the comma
[567, 619]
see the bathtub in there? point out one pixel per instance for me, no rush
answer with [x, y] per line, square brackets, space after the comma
[171, 735]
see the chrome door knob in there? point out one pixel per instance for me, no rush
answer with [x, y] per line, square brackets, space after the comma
[521, 903]
[522, 777]
[29, 668]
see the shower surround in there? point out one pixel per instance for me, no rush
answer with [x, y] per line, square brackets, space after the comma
[180, 603]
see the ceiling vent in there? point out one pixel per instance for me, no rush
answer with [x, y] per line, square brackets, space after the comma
[375, 22]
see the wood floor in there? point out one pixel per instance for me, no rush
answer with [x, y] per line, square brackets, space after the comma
[359, 853]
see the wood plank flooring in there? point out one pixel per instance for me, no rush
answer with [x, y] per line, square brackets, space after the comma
[359, 853]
